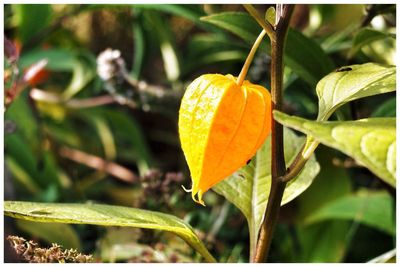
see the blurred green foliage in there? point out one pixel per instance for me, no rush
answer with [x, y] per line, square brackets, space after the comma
[129, 119]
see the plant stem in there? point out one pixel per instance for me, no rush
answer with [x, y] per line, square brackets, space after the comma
[249, 59]
[278, 166]
[301, 159]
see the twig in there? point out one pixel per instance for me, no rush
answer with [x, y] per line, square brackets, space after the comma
[40, 95]
[100, 164]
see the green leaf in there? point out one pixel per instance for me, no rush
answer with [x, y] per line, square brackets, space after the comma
[62, 234]
[139, 43]
[27, 19]
[238, 23]
[20, 112]
[248, 188]
[57, 59]
[270, 15]
[332, 182]
[205, 49]
[371, 142]
[374, 209]
[387, 109]
[191, 12]
[83, 73]
[366, 36]
[167, 45]
[302, 54]
[22, 176]
[353, 82]
[129, 135]
[324, 241]
[105, 215]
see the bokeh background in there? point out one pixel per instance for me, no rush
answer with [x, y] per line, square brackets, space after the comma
[92, 97]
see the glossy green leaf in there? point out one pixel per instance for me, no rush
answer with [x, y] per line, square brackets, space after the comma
[248, 188]
[374, 209]
[371, 142]
[105, 215]
[366, 36]
[302, 54]
[62, 234]
[353, 82]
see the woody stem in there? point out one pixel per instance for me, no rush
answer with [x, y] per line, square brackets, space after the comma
[278, 166]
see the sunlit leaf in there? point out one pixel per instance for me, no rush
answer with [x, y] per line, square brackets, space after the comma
[353, 82]
[371, 142]
[248, 188]
[105, 215]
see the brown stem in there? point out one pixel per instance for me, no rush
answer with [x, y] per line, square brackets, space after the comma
[100, 164]
[278, 166]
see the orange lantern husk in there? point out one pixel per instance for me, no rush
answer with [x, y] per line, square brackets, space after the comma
[221, 126]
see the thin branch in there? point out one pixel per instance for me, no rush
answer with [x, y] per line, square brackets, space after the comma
[40, 95]
[269, 29]
[100, 164]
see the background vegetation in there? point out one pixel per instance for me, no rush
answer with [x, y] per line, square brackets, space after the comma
[104, 129]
